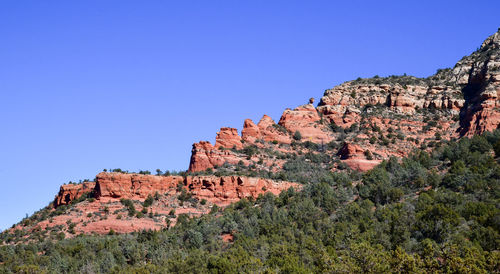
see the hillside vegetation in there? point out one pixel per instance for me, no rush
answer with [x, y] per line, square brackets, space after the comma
[428, 212]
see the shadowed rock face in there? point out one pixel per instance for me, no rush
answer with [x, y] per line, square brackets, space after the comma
[453, 103]
[70, 192]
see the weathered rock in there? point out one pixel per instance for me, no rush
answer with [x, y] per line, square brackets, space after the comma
[481, 73]
[250, 132]
[270, 131]
[228, 138]
[307, 121]
[204, 156]
[229, 189]
[138, 186]
[349, 151]
[70, 192]
[218, 190]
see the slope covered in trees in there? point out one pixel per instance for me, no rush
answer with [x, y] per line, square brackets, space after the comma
[427, 212]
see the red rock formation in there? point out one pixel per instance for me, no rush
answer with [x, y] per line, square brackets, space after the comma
[270, 131]
[481, 73]
[228, 138]
[353, 156]
[266, 130]
[384, 115]
[250, 132]
[138, 186]
[218, 190]
[70, 192]
[307, 121]
[349, 151]
[204, 156]
[229, 189]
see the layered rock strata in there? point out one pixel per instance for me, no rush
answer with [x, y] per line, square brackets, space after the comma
[218, 190]
[389, 116]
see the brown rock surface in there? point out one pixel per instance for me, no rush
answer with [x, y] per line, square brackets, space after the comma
[389, 116]
[270, 131]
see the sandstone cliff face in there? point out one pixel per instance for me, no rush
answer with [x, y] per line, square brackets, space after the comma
[306, 120]
[70, 192]
[228, 138]
[385, 115]
[138, 186]
[228, 189]
[106, 212]
[480, 72]
[356, 124]
[218, 190]
[204, 155]
[266, 130]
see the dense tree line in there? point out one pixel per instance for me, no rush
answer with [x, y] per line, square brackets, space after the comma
[428, 212]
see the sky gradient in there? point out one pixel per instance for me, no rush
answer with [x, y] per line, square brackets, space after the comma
[88, 85]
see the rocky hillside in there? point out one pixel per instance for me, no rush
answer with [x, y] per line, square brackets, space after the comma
[354, 127]
[122, 202]
[368, 120]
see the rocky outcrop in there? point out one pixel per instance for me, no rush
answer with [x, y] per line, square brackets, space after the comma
[361, 164]
[229, 189]
[358, 123]
[204, 155]
[306, 120]
[266, 130]
[481, 74]
[354, 156]
[389, 116]
[217, 190]
[228, 138]
[106, 212]
[349, 151]
[138, 186]
[70, 192]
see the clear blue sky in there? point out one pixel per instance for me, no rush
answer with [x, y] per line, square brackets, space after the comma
[87, 85]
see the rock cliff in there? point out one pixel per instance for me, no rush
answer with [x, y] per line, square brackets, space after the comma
[70, 192]
[123, 202]
[356, 124]
[217, 190]
[387, 116]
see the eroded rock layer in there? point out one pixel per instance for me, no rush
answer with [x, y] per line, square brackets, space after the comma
[217, 190]
[387, 116]
[70, 192]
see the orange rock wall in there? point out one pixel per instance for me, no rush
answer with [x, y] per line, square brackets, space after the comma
[70, 192]
[218, 190]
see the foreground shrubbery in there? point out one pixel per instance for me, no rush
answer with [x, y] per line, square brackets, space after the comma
[430, 212]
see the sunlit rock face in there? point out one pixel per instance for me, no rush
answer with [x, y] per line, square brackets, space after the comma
[401, 112]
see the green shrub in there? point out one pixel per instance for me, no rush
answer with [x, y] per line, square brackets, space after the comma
[297, 136]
